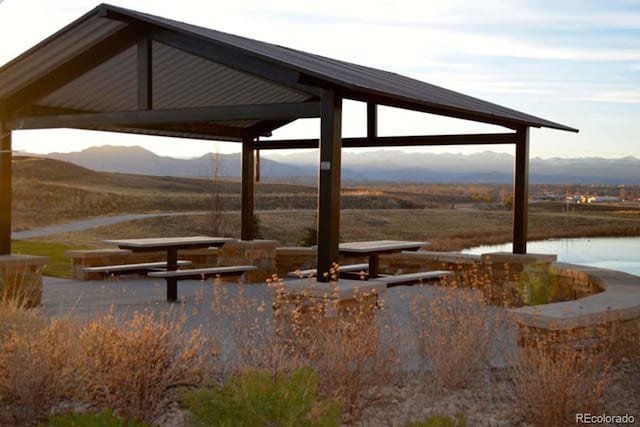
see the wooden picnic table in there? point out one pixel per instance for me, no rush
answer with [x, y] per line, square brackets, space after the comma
[171, 245]
[373, 250]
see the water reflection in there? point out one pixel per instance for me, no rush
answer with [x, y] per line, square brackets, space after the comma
[616, 253]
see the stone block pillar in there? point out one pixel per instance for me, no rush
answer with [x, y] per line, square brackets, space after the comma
[95, 258]
[260, 253]
[21, 278]
[528, 273]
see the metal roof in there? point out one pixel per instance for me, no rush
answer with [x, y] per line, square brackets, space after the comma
[183, 79]
[107, 87]
[55, 50]
[357, 78]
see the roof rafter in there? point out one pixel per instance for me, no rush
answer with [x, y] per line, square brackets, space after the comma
[171, 116]
[395, 141]
[210, 131]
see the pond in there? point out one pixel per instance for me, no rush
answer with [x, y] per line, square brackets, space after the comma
[616, 253]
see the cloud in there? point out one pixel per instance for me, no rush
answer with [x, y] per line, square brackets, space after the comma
[622, 97]
[451, 12]
[486, 83]
[543, 56]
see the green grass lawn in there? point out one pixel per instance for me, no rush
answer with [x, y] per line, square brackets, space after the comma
[59, 265]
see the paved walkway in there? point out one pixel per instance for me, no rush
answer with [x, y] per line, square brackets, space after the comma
[92, 223]
[101, 221]
[87, 299]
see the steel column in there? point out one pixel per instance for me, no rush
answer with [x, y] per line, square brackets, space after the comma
[5, 190]
[372, 120]
[329, 183]
[145, 75]
[172, 282]
[248, 165]
[521, 192]
[257, 159]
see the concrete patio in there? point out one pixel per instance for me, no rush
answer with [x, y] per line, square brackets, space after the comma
[86, 300]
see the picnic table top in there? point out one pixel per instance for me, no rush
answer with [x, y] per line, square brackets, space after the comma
[167, 242]
[379, 246]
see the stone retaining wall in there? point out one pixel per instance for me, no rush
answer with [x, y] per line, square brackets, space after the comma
[609, 313]
[592, 300]
[21, 278]
[260, 253]
[593, 304]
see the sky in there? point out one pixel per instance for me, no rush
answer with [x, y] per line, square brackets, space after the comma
[576, 62]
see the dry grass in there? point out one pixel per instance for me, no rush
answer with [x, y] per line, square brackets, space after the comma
[446, 230]
[37, 371]
[133, 366]
[554, 383]
[130, 365]
[16, 319]
[66, 192]
[343, 342]
[355, 364]
[454, 334]
[20, 285]
[252, 334]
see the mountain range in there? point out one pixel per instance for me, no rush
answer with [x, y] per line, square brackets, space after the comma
[381, 165]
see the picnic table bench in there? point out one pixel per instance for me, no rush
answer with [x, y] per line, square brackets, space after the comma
[140, 268]
[172, 245]
[412, 278]
[202, 273]
[373, 250]
[343, 270]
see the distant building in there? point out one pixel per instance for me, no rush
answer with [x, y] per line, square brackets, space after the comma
[604, 199]
[581, 198]
[552, 197]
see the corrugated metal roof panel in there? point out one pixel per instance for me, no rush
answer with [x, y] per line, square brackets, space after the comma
[54, 52]
[111, 86]
[184, 80]
[180, 80]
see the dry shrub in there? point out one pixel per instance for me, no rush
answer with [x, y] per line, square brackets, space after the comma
[454, 335]
[555, 382]
[244, 331]
[343, 343]
[16, 318]
[132, 366]
[255, 337]
[37, 371]
[21, 285]
[355, 365]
